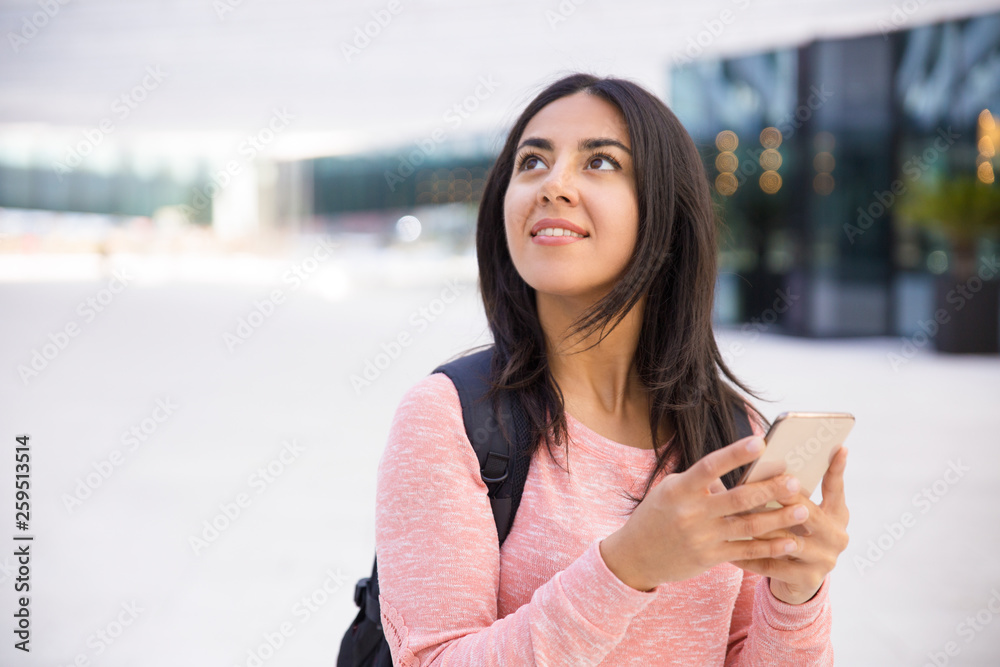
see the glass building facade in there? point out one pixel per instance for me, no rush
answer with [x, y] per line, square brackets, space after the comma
[809, 149]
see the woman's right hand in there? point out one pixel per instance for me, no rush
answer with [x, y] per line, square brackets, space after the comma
[688, 522]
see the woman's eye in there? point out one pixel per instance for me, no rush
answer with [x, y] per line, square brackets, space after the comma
[598, 160]
[530, 162]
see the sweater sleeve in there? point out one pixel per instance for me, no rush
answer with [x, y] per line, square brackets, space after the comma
[766, 631]
[439, 560]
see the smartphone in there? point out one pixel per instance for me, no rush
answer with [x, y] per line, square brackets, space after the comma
[802, 445]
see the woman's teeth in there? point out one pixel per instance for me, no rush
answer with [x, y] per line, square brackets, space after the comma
[557, 231]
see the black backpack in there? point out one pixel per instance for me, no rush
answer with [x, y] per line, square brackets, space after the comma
[502, 471]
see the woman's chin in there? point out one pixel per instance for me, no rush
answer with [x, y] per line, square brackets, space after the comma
[568, 290]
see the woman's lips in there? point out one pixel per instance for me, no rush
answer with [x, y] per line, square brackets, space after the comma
[560, 223]
[556, 223]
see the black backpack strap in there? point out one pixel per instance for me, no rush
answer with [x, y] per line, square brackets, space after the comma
[741, 424]
[741, 421]
[503, 468]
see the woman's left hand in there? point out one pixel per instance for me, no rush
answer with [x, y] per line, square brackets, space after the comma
[797, 577]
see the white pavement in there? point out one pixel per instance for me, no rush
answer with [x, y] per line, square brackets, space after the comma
[129, 574]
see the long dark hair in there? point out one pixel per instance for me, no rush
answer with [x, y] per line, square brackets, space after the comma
[673, 264]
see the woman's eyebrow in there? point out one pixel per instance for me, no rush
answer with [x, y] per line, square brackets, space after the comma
[584, 145]
[591, 144]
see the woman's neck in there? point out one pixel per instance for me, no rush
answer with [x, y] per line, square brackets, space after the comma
[602, 376]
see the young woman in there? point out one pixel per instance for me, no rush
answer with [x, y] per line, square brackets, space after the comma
[596, 243]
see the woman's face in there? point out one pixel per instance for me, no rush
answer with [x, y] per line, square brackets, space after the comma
[572, 171]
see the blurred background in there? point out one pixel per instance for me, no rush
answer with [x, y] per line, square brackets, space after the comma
[233, 233]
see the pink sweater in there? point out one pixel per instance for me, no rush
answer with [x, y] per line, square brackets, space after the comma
[449, 596]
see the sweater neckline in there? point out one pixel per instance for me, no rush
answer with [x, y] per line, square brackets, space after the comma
[606, 448]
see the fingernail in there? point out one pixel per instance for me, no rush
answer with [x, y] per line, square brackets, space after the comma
[792, 484]
[755, 445]
[790, 547]
[801, 513]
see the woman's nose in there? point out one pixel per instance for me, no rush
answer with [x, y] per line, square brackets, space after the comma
[558, 184]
